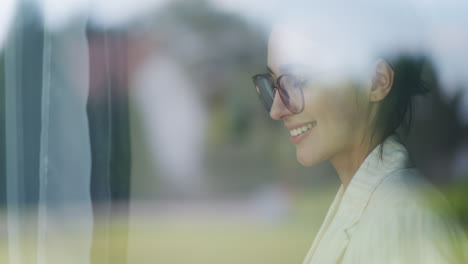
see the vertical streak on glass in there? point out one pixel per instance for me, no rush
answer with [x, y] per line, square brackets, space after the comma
[65, 219]
[109, 144]
[13, 138]
[101, 121]
[43, 157]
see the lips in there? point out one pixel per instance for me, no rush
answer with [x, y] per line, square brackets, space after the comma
[298, 133]
[301, 129]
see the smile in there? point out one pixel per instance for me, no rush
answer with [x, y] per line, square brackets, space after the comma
[300, 130]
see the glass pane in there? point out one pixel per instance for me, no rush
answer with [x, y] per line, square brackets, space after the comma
[131, 131]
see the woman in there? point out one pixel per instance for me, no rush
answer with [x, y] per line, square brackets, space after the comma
[347, 112]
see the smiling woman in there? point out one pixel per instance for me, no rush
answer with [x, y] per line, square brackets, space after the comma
[344, 105]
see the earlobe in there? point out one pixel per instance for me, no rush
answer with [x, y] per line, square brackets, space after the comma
[382, 81]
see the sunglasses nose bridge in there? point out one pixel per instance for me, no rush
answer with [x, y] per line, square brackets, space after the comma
[278, 109]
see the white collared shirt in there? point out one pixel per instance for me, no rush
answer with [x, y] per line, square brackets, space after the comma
[384, 216]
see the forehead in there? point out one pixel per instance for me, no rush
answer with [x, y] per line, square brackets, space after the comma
[324, 48]
[312, 48]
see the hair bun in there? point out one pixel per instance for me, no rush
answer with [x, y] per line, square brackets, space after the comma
[410, 74]
[421, 89]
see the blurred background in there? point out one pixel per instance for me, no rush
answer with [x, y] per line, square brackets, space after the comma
[132, 133]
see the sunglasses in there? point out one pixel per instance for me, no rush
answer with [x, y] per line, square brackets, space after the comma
[288, 86]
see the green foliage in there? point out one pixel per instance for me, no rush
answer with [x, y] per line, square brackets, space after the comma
[457, 195]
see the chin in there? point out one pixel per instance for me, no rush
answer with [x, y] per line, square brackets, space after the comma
[306, 160]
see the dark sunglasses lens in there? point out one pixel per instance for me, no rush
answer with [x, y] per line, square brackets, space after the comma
[265, 90]
[290, 89]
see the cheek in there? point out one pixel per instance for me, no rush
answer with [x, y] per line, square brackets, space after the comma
[331, 107]
[338, 118]
[341, 108]
[338, 121]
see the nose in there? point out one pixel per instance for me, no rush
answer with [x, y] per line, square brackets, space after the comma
[278, 109]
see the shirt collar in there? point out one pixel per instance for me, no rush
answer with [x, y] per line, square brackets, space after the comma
[376, 167]
[350, 205]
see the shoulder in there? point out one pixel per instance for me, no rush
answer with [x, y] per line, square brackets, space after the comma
[401, 216]
[404, 187]
[405, 200]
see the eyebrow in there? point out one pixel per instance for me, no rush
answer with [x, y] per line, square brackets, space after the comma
[286, 68]
[290, 67]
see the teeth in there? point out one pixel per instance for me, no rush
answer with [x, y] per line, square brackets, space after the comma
[300, 130]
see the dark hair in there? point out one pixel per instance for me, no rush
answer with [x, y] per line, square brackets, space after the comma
[409, 81]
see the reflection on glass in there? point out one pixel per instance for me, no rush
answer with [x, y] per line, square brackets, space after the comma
[133, 132]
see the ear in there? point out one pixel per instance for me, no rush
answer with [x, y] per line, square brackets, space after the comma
[382, 81]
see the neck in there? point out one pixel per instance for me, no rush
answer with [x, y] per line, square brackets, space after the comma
[347, 163]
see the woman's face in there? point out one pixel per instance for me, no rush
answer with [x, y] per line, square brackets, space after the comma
[334, 110]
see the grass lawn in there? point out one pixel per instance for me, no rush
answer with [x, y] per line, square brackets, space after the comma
[187, 240]
[224, 240]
